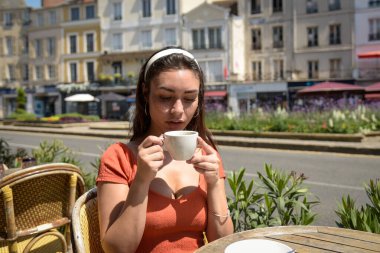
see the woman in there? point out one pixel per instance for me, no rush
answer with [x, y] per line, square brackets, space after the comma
[147, 201]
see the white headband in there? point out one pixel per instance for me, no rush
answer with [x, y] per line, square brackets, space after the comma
[167, 52]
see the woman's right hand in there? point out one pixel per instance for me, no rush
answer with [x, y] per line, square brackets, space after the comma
[150, 158]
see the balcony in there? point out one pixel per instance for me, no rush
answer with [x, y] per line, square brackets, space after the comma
[255, 10]
[256, 47]
[278, 44]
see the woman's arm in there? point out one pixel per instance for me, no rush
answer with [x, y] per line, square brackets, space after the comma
[122, 209]
[219, 222]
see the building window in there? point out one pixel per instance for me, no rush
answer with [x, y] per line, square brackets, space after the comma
[117, 68]
[311, 6]
[51, 72]
[117, 42]
[25, 72]
[256, 39]
[256, 71]
[146, 39]
[277, 5]
[213, 70]
[90, 11]
[199, 39]
[90, 70]
[215, 37]
[278, 69]
[73, 44]
[74, 14]
[334, 5]
[170, 7]
[170, 37]
[73, 72]
[90, 42]
[117, 11]
[51, 46]
[255, 6]
[278, 39]
[52, 17]
[40, 19]
[39, 72]
[374, 29]
[335, 68]
[335, 34]
[26, 17]
[312, 36]
[146, 11]
[374, 3]
[8, 19]
[25, 47]
[38, 48]
[312, 67]
[9, 45]
[11, 72]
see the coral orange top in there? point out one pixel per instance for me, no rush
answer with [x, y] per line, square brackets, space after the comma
[174, 225]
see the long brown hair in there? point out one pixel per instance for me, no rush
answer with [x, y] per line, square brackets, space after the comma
[142, 120]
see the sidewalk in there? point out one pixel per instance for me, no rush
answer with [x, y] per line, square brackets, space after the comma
[118, 130]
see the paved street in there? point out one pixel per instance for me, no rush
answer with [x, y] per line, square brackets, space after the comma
[330, 175]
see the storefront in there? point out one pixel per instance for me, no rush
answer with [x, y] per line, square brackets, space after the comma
[243, 98]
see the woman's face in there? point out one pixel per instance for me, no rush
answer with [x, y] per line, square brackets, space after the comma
[173, 100]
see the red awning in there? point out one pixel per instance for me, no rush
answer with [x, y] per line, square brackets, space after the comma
[374, 96]
[219, 93]
[330, 87]
[372, 54]
[373, 87]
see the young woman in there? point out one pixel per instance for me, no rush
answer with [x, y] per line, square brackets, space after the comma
[147, 201]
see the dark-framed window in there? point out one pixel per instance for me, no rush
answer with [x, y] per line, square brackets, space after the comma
[334, 34]
[74, 11]
[199, 39]
[334, 5]
[311, 6]
[90, 11]
[257, 71]
[170, 7]
[278, 38]
[215, 37]
[312, 36]
[373, 3]
[90, 42]
[256, 38]
[117, 11]
[312, 69]
[277, 5]
[90, 68]
[73, 72]
[255, 6]
[73, 44]
[146, 8]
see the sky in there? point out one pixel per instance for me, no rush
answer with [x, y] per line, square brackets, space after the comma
[33, 3]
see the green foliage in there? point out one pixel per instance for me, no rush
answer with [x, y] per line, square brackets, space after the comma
[21, 100]
[360, 120]
[278, 199]
[22, 115]
[9, 158]
[367, 218]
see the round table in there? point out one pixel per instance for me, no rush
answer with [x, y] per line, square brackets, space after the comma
[304, 239]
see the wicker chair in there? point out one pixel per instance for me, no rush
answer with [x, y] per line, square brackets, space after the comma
[36, 206]
[85, 223]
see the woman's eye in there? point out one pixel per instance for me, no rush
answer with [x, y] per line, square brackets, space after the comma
[164, 98]
[190, 99]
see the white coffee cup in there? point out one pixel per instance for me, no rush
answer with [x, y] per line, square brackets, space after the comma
[181, 145]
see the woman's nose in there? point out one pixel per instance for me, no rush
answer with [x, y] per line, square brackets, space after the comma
[177, 106]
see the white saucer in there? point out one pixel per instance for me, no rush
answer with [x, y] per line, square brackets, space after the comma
[258, 246]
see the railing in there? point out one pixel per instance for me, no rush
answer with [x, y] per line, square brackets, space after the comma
[373, 36]
[278, 44]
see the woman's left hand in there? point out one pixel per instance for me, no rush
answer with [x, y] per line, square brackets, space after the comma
[207, 164]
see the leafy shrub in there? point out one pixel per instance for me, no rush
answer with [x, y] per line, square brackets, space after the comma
[9, 158]
[278, 199]
[367, 218]
[22, 115]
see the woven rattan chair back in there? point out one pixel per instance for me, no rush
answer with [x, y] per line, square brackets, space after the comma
[36, 207]
[85, 223]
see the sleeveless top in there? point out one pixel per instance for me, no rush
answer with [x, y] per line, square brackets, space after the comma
[174, 225]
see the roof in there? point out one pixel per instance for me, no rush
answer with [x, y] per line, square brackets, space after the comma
[330, 87]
